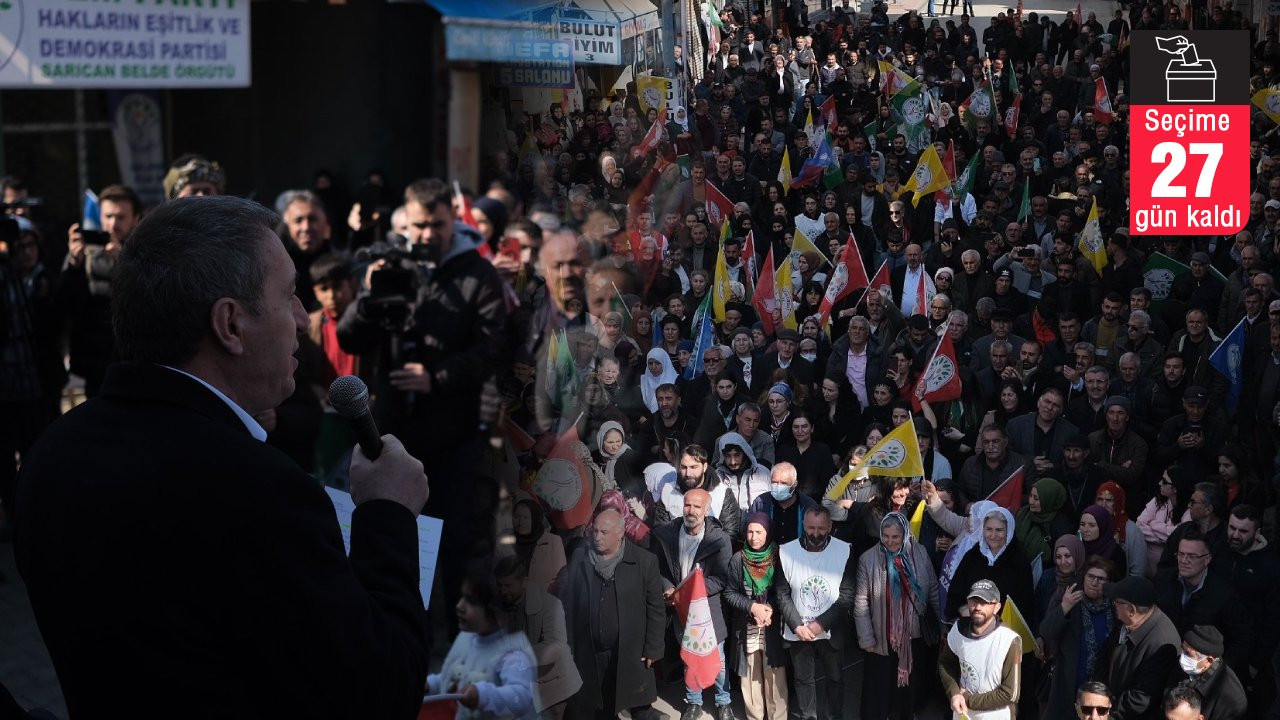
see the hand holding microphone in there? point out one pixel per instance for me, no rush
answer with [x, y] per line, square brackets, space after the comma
[380, 467]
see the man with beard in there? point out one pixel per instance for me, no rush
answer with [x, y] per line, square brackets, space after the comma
[906, 280]
[1001, 331]
[1065, 294]
[989, 652]
[815, 586]
[1253, 569]
[738, 470]
[1080, 477]
[670, 423]
[540, 616]
[1196, 342]
[693, 472]
[681, 544]
[615, 639]
[1162, 399]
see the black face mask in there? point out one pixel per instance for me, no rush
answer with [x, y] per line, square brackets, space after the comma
[815, 543]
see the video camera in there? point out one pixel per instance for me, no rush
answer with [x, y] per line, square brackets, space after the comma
[393, 288]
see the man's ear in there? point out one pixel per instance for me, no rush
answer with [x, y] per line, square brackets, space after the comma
[226, 320]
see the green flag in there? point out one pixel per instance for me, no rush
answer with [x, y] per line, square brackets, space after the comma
[980, 105]
[562, 374]
[870, 132]
[1025, 209]
[714, 15]
[964, 184]
[909, 111]
[1159, 274]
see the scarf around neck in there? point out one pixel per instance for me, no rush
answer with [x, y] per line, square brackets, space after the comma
[757, 568]
[604, 566]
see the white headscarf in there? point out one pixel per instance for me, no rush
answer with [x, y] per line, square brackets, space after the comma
[993, 555]
[649, 383]
[961, 545]
[611, 460]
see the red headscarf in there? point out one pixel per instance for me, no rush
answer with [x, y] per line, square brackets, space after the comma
[1120, 518]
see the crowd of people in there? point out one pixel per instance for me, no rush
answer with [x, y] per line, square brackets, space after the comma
[583, 336]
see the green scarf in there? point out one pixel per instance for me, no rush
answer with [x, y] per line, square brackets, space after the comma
[1033, 530]
[757, 568]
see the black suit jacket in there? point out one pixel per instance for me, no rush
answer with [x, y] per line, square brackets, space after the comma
[169, 554]
[800, 370]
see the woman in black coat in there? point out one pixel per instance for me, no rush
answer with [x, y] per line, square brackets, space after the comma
[751, 598]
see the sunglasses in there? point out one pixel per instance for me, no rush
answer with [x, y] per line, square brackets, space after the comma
[1091, 709]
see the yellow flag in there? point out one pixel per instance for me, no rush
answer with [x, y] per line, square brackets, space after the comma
[1090, 244]
[1011, 616]
[917, 520]
[801, 243]
[652, 92]
[721, 285]
[784, 172]
[1268, 101]
[784, 294]
[929, 175]
[897, 455]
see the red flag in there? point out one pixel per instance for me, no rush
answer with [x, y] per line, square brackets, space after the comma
[827, 110]
[1011, 114]
[940, 380]
[925, 291]
[464, 214]
[719, 208]
[1044, 333]
[564, 484]
[881, 278]
[699, 647]
[1009, 494]
[764, 299]
[1102, 111]
[749, 259]
[848, 275]
[949, 160]
[520, 440]
[653, 138]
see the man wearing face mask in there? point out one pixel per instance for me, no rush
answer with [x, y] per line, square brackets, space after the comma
[816, 587]
[1201, 667]
[785, 506]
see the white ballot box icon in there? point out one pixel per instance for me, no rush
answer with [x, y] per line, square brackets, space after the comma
[1189, 77]
[1191, 83]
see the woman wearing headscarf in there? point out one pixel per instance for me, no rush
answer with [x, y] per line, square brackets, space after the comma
[1068, 564]
[778, 422]
[894, 591]
[761, 659]
[658, 371]
[1112, 497]
[983, 550]
[620, 464]
[1097, 530]
[541, 550]
[1041, 520]
[1075, 630]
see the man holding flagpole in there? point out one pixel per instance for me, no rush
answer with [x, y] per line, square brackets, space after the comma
[681, 544]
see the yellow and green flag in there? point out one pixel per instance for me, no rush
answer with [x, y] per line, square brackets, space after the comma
[897, 455]
[929, 176]
[1091, 244]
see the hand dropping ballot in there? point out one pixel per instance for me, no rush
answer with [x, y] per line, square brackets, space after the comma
[1189, 149]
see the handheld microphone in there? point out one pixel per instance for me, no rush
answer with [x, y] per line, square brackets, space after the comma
[350, 397]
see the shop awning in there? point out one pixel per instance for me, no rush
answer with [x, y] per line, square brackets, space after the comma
[634, 17]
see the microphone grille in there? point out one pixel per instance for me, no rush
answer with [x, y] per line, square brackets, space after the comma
[349, 396]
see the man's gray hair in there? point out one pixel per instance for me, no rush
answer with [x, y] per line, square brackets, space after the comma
[289, 197]
[958, 316]
[1142, 317]
[183, 257]
[985, 305]
[1004, 345]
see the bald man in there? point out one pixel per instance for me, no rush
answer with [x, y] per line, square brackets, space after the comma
[683, 544]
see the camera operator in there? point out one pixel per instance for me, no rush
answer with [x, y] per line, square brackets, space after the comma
[450, 340]
[84, 288]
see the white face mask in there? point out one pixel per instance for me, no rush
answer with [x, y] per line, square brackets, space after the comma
[1189, 664]
[809, 356]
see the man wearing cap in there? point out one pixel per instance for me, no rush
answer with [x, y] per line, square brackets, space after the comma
[1192, 438]
[1008, 297]
[1201, 288]
[1143, 654]
[1029, 276]
[1001, 329]
[799, 372]
[1120, 453]
[1201, 667]
[990, 653]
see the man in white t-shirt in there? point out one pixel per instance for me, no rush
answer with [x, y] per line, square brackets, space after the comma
[981, 661]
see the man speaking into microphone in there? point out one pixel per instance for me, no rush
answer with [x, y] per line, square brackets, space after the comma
[175, 561]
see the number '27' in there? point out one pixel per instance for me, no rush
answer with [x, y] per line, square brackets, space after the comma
[1176, 156]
